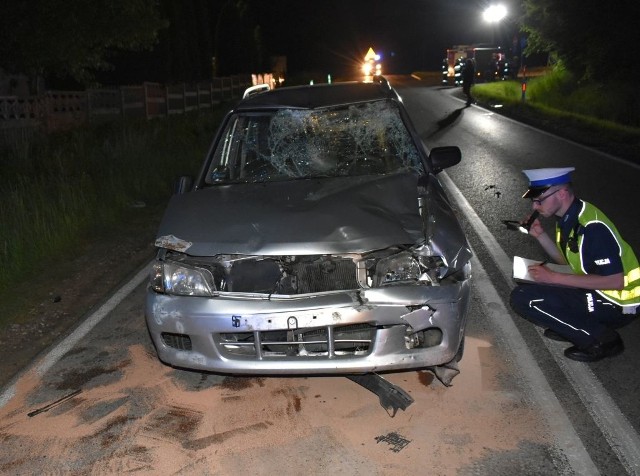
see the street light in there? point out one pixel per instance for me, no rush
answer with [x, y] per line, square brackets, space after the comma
[497, 14]
[494, 13]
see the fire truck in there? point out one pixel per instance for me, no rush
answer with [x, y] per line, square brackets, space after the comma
[491, 64]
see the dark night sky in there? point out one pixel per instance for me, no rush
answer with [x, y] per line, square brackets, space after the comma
[409, 34]
[320, 37]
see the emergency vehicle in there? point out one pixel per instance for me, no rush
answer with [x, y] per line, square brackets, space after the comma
[372, 65]
[491, 64]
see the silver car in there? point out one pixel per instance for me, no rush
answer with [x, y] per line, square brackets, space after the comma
[316, 239]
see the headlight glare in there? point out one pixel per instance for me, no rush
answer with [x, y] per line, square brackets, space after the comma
[176, 278]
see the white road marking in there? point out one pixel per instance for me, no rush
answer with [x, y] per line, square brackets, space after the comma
[615, 427]
[613, 158]
[55, 354]
[539, 389]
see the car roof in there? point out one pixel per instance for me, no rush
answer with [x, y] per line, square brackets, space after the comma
[319, 95]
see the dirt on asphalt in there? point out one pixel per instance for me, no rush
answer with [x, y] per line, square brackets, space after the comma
[111, 407]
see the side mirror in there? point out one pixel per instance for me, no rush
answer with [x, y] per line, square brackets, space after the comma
[444, 157]
[183, 185]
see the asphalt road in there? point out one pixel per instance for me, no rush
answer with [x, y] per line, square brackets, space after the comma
[101, 403]
[495, 150]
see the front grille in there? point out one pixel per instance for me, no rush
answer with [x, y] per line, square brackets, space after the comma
[330, 341]
[303, 275]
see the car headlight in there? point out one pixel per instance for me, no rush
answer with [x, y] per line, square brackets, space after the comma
[176, 278]
[401, 267]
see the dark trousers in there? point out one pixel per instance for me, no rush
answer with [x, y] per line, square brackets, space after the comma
[580, 315]
[466, 89]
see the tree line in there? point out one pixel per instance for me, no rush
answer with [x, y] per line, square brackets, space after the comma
[127, 41]
[594, 40]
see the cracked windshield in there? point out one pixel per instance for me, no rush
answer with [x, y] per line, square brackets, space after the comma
[288, 144]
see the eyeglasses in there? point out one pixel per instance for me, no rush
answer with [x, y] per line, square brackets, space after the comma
[538, 201]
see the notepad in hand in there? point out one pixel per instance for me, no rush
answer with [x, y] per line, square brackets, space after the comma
[521, 269]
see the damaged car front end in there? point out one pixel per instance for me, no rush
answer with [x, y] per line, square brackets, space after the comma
[316, 240]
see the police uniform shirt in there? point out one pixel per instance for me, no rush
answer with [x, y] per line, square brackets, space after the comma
[600, 250]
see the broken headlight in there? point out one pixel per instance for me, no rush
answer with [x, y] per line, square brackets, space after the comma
[171, 277]
[399, 268]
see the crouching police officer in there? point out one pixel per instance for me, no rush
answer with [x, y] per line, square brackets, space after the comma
[603, 292]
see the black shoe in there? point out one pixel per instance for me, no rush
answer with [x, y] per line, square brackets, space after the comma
[595, 352]
[553, 335]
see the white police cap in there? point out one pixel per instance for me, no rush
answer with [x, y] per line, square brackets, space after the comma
[541, 179]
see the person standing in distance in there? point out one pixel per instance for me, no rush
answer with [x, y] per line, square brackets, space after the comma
[468, 75]
[603, 292]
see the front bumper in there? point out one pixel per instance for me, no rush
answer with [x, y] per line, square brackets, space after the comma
[374, 330]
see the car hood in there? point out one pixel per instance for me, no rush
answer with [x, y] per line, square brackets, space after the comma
[306, 216]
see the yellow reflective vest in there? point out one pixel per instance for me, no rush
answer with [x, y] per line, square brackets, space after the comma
[630, 294]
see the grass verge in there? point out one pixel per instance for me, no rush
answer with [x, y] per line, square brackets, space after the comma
[62, 191]
[578, 112]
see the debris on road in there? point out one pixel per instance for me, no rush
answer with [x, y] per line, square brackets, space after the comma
[391, 396]
[48, 407]
[394, 440]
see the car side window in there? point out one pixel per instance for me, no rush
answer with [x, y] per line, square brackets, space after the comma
[241, 153]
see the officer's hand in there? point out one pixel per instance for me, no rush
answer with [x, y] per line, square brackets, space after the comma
[536, 228]
[541, 274]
